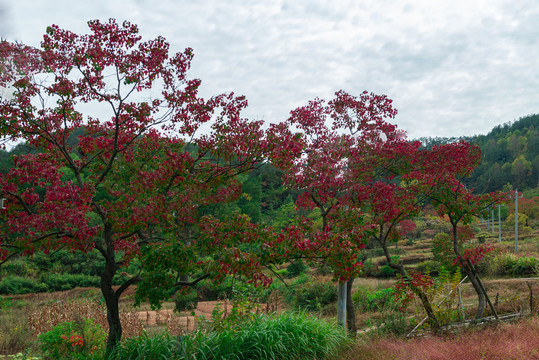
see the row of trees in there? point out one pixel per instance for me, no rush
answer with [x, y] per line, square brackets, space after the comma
[147, 180]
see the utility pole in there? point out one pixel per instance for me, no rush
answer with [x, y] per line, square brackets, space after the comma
[516, 219]
[499, 224]
[493, 220]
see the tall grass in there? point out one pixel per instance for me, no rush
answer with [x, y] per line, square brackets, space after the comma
[283, 337]
[159, 346]
[288, 336]
[516, 341]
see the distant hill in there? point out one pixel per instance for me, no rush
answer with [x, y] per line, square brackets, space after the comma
[510, 155]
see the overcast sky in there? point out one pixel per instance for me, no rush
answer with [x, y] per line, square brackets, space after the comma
[452, 68]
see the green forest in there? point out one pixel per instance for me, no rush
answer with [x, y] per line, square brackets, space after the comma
[510, 155]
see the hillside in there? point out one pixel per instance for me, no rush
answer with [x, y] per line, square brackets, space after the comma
[510, 155]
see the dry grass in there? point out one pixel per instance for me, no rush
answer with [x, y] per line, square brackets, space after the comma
[15, 336]
[516, 341]
[47, 316]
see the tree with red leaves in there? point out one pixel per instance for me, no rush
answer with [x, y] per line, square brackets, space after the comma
[331, 135]
[388, 187]
[137, 176]
[450, 165]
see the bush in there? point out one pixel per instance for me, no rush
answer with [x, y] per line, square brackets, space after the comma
[314, 296]
[13, 268]
[392, 322]
[18, 285]
[210, 291]
[366, 300]
[386, 271]
[64, 261]
[80, 339]
[287, 336]
[512, 265]
[296, 268]
[62, 282]
[369, 269]
[431, 267]
[525, 266]
[186, 301]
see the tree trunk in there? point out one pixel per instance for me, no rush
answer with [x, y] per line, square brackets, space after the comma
[111, 301]
[433, 321]
[110, 296]
[350, 312]
[341, 304]
[481, 300]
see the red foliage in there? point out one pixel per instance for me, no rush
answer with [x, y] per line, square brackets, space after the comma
[530, 207]
[474, 254]
[331, 135]
[464, 233]
[406, 288]
[136, 178]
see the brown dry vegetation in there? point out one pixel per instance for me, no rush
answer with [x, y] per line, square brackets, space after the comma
[516, 341]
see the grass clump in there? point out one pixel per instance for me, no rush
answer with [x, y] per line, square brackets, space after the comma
[158, 346]
[287, 336]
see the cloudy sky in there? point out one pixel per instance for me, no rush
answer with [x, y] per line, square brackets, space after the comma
[452, 68]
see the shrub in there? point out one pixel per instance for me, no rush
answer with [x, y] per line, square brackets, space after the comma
[13, 268]
[366, 300]
[186, 300]
[445, 287]
[431, 267]
[314, 296]
[79, 339]
[392, 322]
[525, 266]
[287, 336]
[210, 291]
[18, 285]
[369, 269]
[386, 271]
[507, 264]
[62, 282]
[296, 268]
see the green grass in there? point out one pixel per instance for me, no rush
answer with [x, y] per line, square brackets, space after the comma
[285, 337]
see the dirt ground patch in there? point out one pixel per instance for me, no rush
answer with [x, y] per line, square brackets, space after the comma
[185, 319]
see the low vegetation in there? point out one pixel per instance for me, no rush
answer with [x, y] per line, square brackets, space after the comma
[73, 326]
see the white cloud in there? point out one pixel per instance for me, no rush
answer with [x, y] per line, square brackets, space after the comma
[452, 68]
